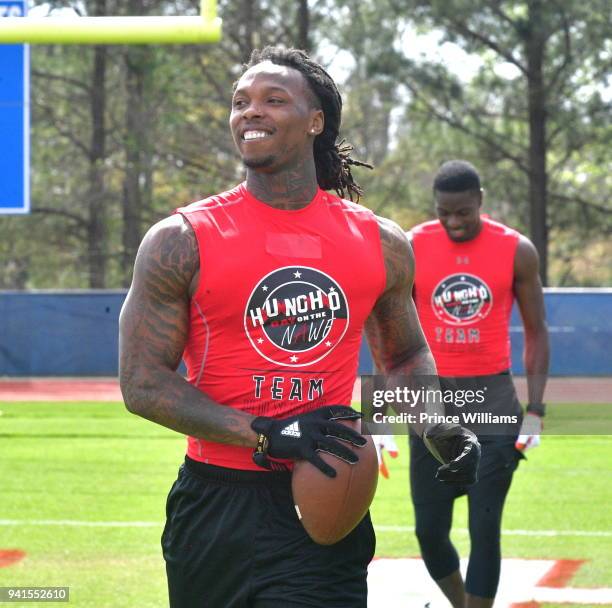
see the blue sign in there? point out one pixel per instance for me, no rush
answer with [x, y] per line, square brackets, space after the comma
[14, 118]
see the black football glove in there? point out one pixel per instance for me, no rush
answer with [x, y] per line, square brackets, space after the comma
[301, 437]
[457, 449]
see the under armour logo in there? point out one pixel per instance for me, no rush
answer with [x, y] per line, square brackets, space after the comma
[293, 430]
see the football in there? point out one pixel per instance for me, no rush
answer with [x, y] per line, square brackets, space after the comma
[329, 508]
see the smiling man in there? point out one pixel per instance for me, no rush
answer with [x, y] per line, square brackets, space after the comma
[264, 291]
[469, 271]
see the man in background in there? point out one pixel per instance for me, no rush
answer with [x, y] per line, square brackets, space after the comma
[469, 269]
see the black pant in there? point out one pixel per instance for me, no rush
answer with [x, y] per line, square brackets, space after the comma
[233, 540]
[433, 503]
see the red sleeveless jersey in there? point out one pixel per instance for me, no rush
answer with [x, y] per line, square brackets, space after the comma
[276, 321]
[463, 293]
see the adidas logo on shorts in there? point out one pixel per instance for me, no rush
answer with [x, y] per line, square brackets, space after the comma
[293, 430]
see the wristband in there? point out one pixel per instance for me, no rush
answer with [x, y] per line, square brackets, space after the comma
[262, 444]
[539, 409]
[260, 426]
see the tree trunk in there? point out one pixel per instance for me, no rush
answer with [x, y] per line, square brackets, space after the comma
[385, 93]
[535, 48]
[303, 26]
[249, 28]
[96, 224]
[138, 178]
[137, 181]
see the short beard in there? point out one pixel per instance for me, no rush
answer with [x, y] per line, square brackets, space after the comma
[462, 239]
[259, 163]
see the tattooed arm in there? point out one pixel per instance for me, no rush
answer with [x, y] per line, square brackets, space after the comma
[400, 350]
[153, 329]
[393, 330]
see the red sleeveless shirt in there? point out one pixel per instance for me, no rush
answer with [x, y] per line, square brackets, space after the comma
[463, 294]
[282, 298]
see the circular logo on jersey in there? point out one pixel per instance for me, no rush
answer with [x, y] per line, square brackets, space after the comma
[461, 299]
[296, 316]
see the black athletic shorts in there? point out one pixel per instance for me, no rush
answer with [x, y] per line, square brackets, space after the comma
[499, 458]
[233, 540]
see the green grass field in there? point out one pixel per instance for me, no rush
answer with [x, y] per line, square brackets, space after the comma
[94, 462]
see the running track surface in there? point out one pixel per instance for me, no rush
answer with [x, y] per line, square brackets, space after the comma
[558, 390]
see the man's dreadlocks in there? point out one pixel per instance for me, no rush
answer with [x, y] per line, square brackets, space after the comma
[332, 157]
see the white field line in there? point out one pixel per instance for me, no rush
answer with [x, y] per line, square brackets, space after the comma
[85, 524]
[397, 583]
[569, 595]
[596, 533]
[153, 524]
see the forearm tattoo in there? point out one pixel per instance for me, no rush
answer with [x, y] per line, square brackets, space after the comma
[154, 328]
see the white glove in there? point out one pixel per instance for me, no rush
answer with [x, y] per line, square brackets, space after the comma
[529, 435]
[384, 442]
